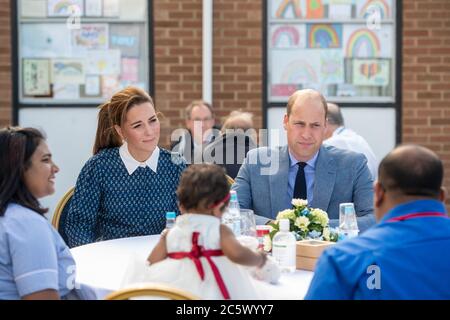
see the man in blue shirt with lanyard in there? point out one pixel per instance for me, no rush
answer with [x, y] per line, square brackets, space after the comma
[407, 254]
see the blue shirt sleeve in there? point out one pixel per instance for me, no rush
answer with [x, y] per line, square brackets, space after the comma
[33, 255]
[328, 282]
[84, 209]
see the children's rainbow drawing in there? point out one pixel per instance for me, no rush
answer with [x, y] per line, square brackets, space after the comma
[324, 35]
[363, 43]
[381, 5]
[299, 71]
[62, 6]
[286, 5]
[285, 36]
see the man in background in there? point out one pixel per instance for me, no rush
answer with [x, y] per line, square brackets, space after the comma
[337, 135]
[199, 118]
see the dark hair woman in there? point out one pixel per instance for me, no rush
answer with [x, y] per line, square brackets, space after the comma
[35, 263]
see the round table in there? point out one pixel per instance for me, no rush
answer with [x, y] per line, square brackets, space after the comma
[101, 266]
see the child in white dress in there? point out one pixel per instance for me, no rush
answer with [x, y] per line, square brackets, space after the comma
[199, 254]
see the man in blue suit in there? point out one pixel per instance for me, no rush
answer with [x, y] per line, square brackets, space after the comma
[326, 176]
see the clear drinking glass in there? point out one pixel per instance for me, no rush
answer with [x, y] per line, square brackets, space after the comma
[248, 229]
[248, 223]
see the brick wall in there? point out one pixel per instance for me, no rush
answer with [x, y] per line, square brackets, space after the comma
[426, 77]
[178, 59]
[237, 58]
[5, 64]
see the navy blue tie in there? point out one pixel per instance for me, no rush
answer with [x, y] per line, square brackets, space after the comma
[300, 182]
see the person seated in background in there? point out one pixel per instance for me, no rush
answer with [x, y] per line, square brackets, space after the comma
[326, 176]
[407, 254]
[35, 263]
[190, 143]
[337, 135]
[129, 184]
[238, 137]
[200, 254]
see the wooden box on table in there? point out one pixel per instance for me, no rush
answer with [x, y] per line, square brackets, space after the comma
[309, 251]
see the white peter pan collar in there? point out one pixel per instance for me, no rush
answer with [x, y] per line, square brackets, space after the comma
[132, 164]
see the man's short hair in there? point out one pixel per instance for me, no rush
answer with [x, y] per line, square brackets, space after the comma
[295, 95]
[412, 170]
[195, 103]
[335, 115]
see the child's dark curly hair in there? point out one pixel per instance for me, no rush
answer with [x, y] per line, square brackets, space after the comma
[202, 186]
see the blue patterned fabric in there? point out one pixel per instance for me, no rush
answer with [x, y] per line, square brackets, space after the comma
[109, 203]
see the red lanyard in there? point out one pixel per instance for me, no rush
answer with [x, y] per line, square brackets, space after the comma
[418, 215]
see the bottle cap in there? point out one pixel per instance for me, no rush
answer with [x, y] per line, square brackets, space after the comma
[284, 225]
[233, 195]
[171, 215]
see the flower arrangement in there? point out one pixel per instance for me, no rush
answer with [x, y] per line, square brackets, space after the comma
[305, 222]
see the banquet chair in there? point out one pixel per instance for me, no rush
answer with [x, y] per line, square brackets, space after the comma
[60, 214]
[155, 290]
[230, 180]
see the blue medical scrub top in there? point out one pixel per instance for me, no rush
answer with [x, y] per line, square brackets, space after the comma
[407, 259]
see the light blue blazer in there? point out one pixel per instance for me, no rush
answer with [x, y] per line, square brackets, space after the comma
[340, 176]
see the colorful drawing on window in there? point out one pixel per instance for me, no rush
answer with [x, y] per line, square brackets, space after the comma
[285, 37]
[130, 70]
[68, 71]
[103, 62]
[371, 72]
[126, 38]
[36, 77]
[331, 67]
[314, 9]
[324, 35]
[299, 71]
[64, 8]
[381, 6]
[289, 9]
[91, 36]
[363, 43]
[284, 90]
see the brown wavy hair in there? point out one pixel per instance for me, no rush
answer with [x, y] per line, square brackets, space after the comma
[113, 113]
[17, 146]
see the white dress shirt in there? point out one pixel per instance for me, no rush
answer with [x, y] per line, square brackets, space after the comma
[347, 139]
[132, 164]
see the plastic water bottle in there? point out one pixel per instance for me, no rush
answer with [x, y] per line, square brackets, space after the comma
[232, 216]
[170, 219]
[284, 248]
[348, 228]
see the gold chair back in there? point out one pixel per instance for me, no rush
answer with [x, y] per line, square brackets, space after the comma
[60, 207]
[230, 180]
[152, 290]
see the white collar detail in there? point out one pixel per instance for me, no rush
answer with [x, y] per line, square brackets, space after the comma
[131, 164]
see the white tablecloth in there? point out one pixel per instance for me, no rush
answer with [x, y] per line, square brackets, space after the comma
[101, 266]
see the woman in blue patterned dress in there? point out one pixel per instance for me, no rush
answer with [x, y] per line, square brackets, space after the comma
[129, 184]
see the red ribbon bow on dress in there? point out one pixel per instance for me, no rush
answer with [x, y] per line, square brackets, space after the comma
[198, 251]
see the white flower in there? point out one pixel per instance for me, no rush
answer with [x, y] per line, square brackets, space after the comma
[299, 202]
[326, 234]
[320, 216]
[302, 223]
[286, 214]
[267, 243]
